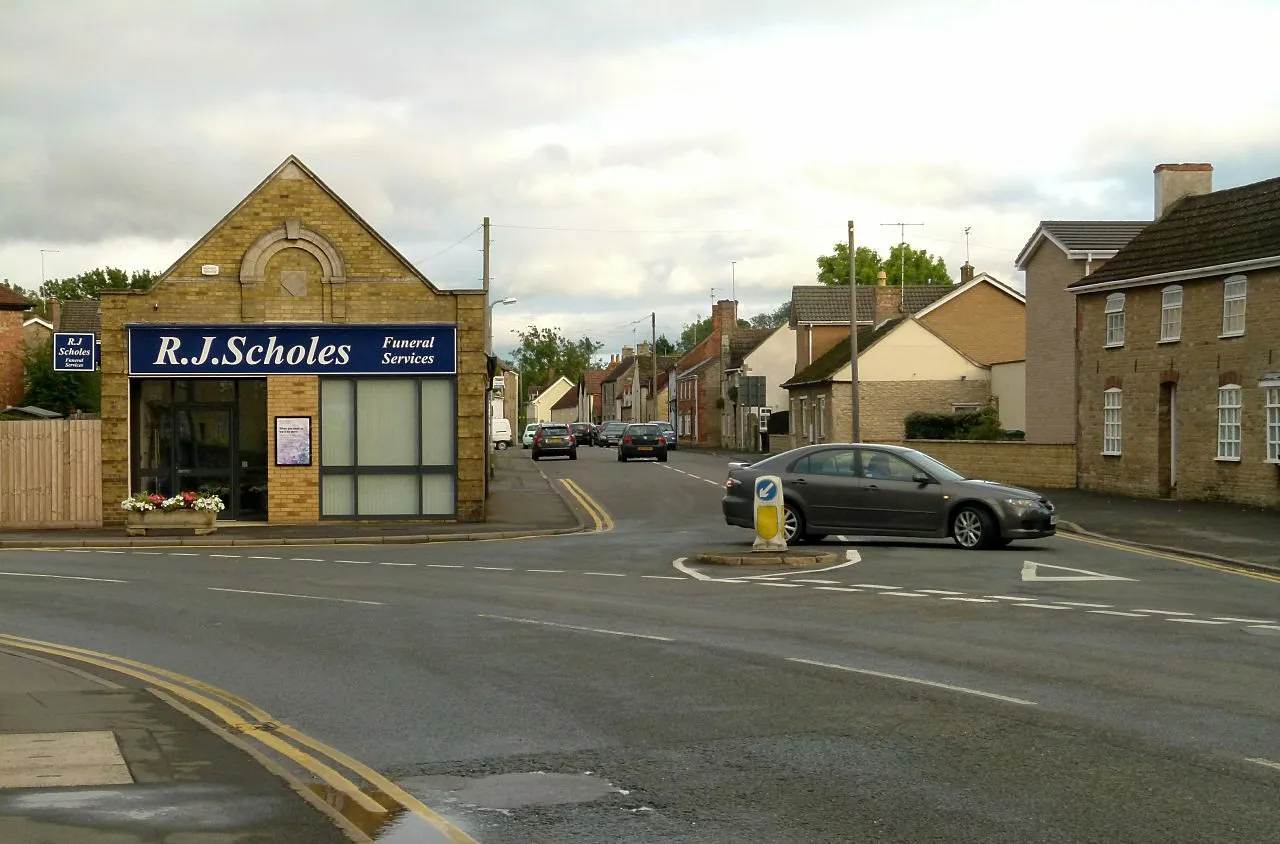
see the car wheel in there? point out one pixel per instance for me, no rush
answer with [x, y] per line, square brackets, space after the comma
[573, 455]
[501, 446]
[621, 458]
[792, 524]
[814, 537]
[1002, 542]
[662, 458]
[973, 528]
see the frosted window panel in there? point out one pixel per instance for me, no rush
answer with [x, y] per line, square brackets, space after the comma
[338, 492]
[337, 433]
[386, 423]
[439, 418]
[388, 495]
[437, 495]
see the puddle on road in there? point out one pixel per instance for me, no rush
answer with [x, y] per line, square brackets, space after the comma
[499, 793]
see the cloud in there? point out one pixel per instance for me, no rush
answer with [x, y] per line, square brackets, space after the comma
[627, 153]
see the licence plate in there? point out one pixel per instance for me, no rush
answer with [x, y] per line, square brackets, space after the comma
[1053, 520]
[557, 441]
[646, 448]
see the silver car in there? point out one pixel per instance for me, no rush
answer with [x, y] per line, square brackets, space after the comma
[885, 490]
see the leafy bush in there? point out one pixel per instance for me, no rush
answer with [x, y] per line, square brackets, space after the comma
[983, 424]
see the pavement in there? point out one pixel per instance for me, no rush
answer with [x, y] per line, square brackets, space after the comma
[85, 760]
[522, 502]
[1217, 531]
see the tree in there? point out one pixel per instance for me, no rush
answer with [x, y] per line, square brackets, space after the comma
[921, 267]
[664, 346]
[545, 354]
[63, 392]
[776, 318]
[88, 285]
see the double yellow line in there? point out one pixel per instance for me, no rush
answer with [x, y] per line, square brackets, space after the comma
[597, 513]
[247, 720]
[1177, 558]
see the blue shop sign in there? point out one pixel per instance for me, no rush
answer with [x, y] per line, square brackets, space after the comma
[75, 351]
[256, 350]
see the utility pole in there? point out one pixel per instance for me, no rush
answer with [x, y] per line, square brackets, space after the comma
[902, 249]
[485, 282]
[853, 340]
[653, 353]
[488, 350]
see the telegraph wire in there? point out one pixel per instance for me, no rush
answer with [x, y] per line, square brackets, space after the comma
[459, 242]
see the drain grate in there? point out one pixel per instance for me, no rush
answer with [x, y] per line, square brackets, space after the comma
[61, 760]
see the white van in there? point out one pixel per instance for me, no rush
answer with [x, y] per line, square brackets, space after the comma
[500, 433]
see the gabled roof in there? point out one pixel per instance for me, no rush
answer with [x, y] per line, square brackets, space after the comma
[611, 374]
[1081, 239]
[12, 300]
[81, 315]
[643, 370]
[745, 341]
[294, 165]
[960, 290]
[823, 304]
[592, 381]
[833, 360]
[37, 321]
[567, 401]
[1210, 234]
[695, 369]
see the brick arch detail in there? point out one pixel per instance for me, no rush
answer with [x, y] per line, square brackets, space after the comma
[1114, 382]
[1229, 378]
[1169, 376]
[292, 235]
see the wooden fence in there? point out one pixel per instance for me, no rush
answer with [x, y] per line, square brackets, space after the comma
[50, 474]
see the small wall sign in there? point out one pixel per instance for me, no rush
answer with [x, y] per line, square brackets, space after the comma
[208, 269]
[293, 440]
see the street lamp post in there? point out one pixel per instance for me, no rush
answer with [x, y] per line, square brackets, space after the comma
[488, 352]
[488, 340]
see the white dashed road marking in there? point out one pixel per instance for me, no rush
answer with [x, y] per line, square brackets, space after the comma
[291, 595]
[916, 680]
[1122, 614]
[60, 577]
[576, 627]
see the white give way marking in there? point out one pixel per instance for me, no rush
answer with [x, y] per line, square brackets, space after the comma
[1030, 571]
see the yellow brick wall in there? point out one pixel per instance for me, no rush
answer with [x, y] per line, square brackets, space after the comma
[294, 491]
[1035, 465]
[983, 323]
[378, 288]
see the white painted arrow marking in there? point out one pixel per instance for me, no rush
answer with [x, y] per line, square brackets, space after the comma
[1030, 572]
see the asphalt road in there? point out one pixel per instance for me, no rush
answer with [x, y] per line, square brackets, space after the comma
[585, 689]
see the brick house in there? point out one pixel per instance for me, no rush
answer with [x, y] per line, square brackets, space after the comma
[903, 366]
[700, 401]
[591, 395]
[295, 363]
[820, 313]
[740, 422]
[1059, 253]
[13, 345]
[1179, 383]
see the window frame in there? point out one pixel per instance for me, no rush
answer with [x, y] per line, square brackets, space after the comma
[1230, 420]
[1119, 313]
[355, 470]
[1118, 423]
[1171, 330]
[1242, 282]
[1271, 419]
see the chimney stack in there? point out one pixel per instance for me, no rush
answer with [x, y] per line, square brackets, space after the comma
[55, 314]
[724, 316]
[1174, 181]
[966, 273]
[882, 279]
[643, 351]
[627, 351]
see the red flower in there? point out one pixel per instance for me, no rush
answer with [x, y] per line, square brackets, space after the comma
[189, 497]
[155, 499]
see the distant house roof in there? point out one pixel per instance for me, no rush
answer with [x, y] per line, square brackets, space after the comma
[31, 410]
[567, 401]
[12, 300]
[745, 341]
[1081, 239]
[695, 369]
[825, 367]
[35, 320]
[821, 303]
[959, 290]
[644, 368]
[1209, 234]
[611, 374]
[592, 380]
[81, 315]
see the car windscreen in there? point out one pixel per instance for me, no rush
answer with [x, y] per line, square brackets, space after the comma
[555, 430]
[938, 469]
[643, 430]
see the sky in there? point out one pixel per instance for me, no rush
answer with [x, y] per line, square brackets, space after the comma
[634, 157]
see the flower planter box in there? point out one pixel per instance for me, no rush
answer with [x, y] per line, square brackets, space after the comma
[200, 522]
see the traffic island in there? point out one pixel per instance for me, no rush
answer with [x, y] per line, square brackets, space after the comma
[794, 557]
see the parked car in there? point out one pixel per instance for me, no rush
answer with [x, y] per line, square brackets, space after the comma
[642, 439]
[610, 433]
[583, 432]
[668, 431]
[884, 490]
[526, 439]
[554, 438]
[500, 433]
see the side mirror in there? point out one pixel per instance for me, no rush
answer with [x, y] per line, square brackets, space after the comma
[921, 478]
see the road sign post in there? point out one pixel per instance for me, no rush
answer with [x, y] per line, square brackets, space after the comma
[769, 515]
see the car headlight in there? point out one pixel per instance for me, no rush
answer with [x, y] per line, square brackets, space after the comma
[1023, 506]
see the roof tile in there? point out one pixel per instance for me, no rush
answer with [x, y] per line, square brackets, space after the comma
[820, 303]
[81, 315]
[12, 300]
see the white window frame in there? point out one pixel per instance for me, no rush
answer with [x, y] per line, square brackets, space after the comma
[1271, 406]
[1235, 292]
[966, 408]
[1115, 320]
[1171, 314]
[822, 418]
[805, 428]
[1230, 423]
[1112, 421]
